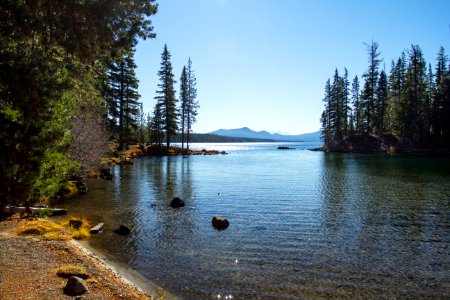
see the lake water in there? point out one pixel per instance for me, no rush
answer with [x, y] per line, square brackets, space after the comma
[303, 224]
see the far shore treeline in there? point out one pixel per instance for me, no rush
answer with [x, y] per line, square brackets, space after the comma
[407, 109]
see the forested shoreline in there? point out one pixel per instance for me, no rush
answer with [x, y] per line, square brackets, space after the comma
[62, 64]
[407, 110]
[69, 92]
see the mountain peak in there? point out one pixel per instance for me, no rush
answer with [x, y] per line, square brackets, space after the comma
[246, 132]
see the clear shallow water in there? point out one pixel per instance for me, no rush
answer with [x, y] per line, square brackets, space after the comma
[303, 224]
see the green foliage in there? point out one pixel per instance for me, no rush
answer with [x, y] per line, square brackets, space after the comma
[53, 55]
[55, 169]
[123, 98]
[166, 101]
[43, 213]
[192, 104]
[184, 103]
[368, 94]
[412, 102]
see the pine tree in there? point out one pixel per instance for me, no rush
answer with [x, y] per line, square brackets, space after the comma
[337, 108]
[123, 98]
[415, 94]
[184, 101]
[326, 115]
[357, 115]
[396, 102]
[381, 103]
[166, 99]
[345, 102]
[438, 117]
[192, 105]
[368, 94]
[430, 95]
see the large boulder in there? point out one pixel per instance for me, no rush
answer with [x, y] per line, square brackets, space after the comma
[75, 286]
[177, 202]
[122, 230]
[220, 223]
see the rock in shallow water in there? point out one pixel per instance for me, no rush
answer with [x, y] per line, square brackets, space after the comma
[220, 223]
[122, 230]
[75, 286]
[177, 202]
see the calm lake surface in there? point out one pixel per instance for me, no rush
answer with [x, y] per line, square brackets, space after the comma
[302, 224]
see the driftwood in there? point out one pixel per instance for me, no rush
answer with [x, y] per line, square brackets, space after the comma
[97, 228]
[10, 210]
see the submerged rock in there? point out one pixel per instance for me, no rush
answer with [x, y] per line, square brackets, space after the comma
[128, 161]
[82, 187]
[122, 230]
[177, 202]
[106, 174]
[75, 224]
[75, 286]
[220, 223]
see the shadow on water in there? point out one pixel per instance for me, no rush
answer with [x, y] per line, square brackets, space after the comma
[385, 226]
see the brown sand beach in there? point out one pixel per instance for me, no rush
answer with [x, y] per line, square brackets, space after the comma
[28, 267]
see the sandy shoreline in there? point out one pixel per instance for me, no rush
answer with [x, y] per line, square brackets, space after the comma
[28, 264]
[129, 276]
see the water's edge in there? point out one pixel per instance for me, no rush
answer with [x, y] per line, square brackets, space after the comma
[126, 274]
[303, 224]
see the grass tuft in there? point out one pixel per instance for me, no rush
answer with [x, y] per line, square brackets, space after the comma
[81, 233]
[50, 230]
[67, 271]
[39, 227]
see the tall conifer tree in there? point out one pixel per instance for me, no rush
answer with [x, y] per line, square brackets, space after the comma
[184, 103]
[381, 103]
[368, 94]
[326, 115]
[356, 101]
[123, 98]
[166, 99]
[192, 105]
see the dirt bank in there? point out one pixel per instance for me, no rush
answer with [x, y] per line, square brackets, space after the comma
[28, 269]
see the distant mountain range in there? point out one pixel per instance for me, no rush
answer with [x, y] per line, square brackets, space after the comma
[246, 132]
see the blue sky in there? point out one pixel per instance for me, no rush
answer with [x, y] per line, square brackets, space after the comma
[263, 64]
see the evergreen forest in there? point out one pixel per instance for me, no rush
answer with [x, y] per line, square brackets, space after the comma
[68, 91]
[407, 109]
